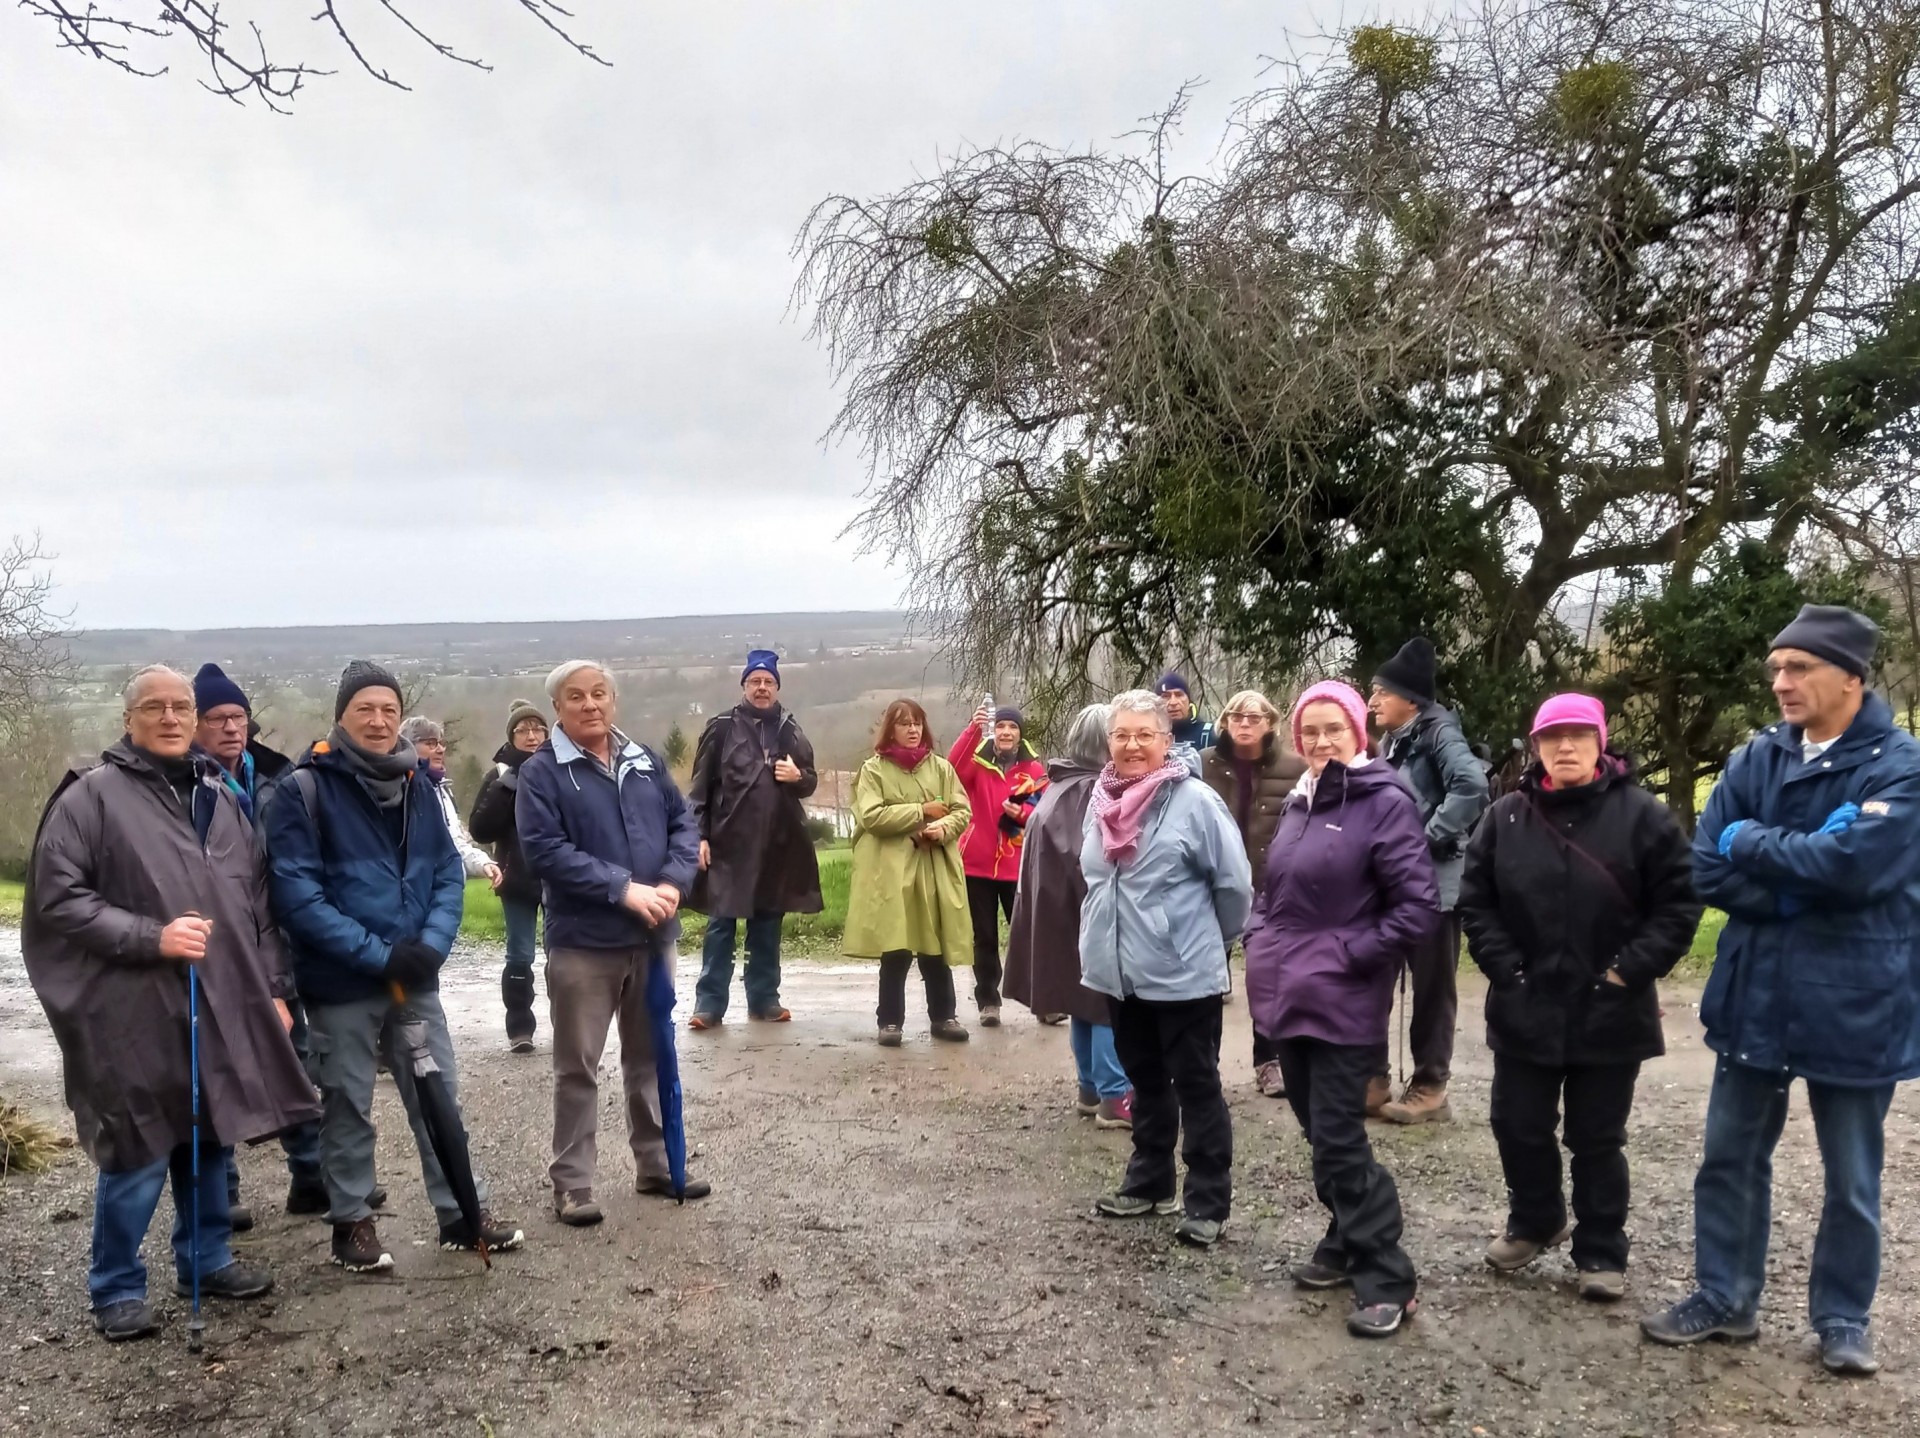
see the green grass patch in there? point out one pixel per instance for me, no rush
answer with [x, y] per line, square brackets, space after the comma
[819, 934]
[12, 898]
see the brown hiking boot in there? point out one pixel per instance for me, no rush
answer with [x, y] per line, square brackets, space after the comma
[1379, 1090]
[1421, 1103]
[1269, 1078]
[575, 1207]
[356, 1248]
[1510, 1254]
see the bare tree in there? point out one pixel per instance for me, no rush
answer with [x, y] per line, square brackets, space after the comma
[237, 64]
[34, 673]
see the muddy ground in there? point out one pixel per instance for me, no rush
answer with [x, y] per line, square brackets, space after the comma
[901, 1243]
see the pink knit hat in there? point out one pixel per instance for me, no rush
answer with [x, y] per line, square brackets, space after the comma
[1570, 710]
[1331, 691]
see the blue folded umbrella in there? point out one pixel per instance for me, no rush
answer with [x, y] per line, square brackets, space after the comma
[666, 1061]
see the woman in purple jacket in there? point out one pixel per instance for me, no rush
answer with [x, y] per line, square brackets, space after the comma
[1348, 891]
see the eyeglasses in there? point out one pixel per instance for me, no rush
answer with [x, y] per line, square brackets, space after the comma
[1794, 669]
[1135, 741]
[158, 708]
[226, 721]
[1247, 719]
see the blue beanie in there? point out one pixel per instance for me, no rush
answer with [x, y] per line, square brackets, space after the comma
[1170, 680]
[1007, 714]
[761, 659]
[212, 688]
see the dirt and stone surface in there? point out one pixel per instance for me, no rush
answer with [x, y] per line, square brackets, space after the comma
[901, 1242]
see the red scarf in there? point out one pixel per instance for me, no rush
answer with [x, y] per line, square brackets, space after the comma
[908, 759]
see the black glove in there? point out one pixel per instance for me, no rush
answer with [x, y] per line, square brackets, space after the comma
[414, 966]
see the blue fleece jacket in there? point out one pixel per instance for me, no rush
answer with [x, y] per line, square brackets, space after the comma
[587, 834]
[345, 892]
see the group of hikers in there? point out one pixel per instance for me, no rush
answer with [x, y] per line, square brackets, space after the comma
[1343, 846]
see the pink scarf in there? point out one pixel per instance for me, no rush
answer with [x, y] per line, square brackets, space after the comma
[1120, 806]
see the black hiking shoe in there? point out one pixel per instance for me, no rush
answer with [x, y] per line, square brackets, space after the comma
[356, 1248]
[376, 1197]
[127, 1319]
[239, 1217]
[307, 1199]
[1694, 1319]
[950, 1031]
[457, 1237]
[1316, 1275]
[236, 1280]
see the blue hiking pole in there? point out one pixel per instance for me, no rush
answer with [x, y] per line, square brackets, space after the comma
[195, 1328]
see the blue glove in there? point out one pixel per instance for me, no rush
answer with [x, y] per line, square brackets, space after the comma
[1728, 834]
[1840, 820]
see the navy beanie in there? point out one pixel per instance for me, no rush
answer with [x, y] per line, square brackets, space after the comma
[1170, 680]
[761, 659]
[1007, 714]
[212, 689]
[1410, 673]
[361, 674]
[1835, 634]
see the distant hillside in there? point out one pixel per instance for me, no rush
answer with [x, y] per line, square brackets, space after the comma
[486, 649]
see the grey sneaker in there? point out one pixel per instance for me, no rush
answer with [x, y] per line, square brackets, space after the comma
[890, 1036]
[1125, 1205]
[990, 1017]
[1198, 1232]
[1380, 1320]
[1848, 1352]
[1510, 1254]
[1603, 1285]
[1694, 1319]
[129, 1318]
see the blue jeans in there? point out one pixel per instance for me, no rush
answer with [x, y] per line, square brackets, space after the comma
[1094, 1057]
[1733, 1194]
[123, 1205]
[716, 965]
[516, 981]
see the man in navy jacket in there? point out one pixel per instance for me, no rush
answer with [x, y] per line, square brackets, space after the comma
[615, 847]
[1811, 843]
[368, 887]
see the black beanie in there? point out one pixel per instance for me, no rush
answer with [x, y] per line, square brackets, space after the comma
[361, 674]
[1007, 714]
[1410, 672]
[1837, 635]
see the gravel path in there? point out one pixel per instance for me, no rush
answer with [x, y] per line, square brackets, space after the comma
[900, 1242]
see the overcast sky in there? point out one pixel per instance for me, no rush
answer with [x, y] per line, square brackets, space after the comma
[513, 345]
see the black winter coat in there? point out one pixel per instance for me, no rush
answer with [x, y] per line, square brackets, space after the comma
[755, 827]
[491, 823]
[1561, 885]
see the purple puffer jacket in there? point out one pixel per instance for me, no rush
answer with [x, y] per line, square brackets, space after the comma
[1349, 890]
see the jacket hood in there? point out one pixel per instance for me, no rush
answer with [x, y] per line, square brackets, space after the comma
[121, 754]
[512, 756]
[1058, 769]
[1339, 784]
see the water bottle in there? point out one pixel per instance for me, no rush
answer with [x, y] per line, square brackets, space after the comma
[986, 703]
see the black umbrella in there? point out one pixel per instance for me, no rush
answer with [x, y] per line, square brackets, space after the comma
[442, 1118]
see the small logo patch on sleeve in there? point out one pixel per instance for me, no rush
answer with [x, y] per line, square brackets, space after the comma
[1876, 806]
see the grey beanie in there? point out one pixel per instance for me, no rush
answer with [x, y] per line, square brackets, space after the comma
[361, 674]
[1836, 634]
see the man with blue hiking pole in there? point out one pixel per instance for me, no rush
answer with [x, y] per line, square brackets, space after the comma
[146, 903]
[1811, 843]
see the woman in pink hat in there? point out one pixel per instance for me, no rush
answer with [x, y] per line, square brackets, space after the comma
[1348, 891]
[1578, 896]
